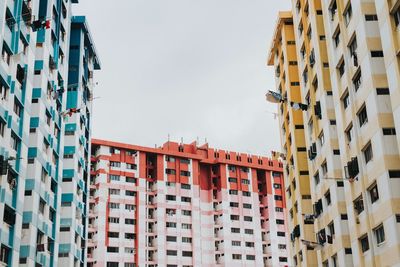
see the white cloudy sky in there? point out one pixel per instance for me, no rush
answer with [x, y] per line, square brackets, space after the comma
[188, 68]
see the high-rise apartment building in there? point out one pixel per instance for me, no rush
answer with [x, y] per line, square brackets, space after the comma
[184, 205]
[347, 64]
[46, 72]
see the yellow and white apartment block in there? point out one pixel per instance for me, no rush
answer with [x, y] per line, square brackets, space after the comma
[342, 171]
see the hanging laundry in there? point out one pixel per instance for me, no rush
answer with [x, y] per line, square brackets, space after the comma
[274, 97]
[303, 107]
[69, 112]
[311, 244]
[40, 24]
[57, 93]
[308, 216]
[296, 106]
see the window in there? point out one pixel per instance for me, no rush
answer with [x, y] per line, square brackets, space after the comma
[18, 108]
[379, 234]
[371, 17]
[235, 230]
[3, 92]
[331, 228]
[113, 234]
[316, 178]
[113, 220]
[248, 219]
[130, 193]
[130, 207]
[359, 204]
[376, 53]
[349, 133]
[347, 251]
[170, 158]
[115, 164]
[130, 180]
[346, 100]
[333, 9]
[131, 166]
[170, 225]
[249, 231]
[276, 197]
[250, 257]
[236, 256]
[235, 217]
[114, 177]
[129, 250]
[336, 37]
[235, 243]
[186, 212]
[130, 236]
[279, 221]
[171, 238]
[233, 192]
[282, 259]
[186, 199]
[113, 191]
[357, 81]
[246, 193]
[172, 253]
[373, 193]
[185, 161]
[321, 138]
[281, 246]
[394, 173]
[130, 221]
[362, 115]
[187, 254]
[278, 209]
[186, 239]
[42, 205]
[170, 171]
[389, 131]
[170, 197]
[245, 181]
[280, 233]
[328, 197]
[185, 173]
[246, 205]
[186, 226]
[368, 154]
[341, 68]
[347, 14]
[113, 205]
[234, 204]
[185, 186]
[364, 243]
[2, 127]
[112, 249]
[232, 180]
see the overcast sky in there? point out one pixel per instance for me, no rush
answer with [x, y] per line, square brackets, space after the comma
[188, 68]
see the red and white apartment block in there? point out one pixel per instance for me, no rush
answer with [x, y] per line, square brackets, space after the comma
[184, 205]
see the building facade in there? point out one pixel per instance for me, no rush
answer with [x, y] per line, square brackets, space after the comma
[184, 205]
[347, 61]
[48, 58]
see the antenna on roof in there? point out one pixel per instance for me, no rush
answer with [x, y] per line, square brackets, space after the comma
[181, 140]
